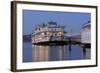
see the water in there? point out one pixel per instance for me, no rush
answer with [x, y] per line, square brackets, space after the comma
[34, 53]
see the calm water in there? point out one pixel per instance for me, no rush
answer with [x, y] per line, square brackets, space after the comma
[33, 53]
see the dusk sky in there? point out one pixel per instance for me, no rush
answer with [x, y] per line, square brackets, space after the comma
[73, 21]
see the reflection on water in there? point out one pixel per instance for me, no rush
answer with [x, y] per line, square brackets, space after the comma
[40, 53]
[36, 53]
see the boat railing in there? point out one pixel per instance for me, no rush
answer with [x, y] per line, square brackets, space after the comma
[58, 38]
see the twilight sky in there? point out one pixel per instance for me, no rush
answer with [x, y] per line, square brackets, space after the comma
[73, 21]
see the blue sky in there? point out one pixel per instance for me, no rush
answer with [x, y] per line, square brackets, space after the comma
[73, 21]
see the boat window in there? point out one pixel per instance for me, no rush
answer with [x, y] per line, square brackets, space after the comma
[54, 29]
[45, 33]
[38, 28]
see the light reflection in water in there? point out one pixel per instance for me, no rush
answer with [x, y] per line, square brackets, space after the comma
[40, 53]
[56, 53]
[36, 53]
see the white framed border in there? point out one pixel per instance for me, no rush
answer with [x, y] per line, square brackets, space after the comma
[48, 7]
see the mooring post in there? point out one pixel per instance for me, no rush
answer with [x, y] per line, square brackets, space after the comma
[69, 42]
[84, 52]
